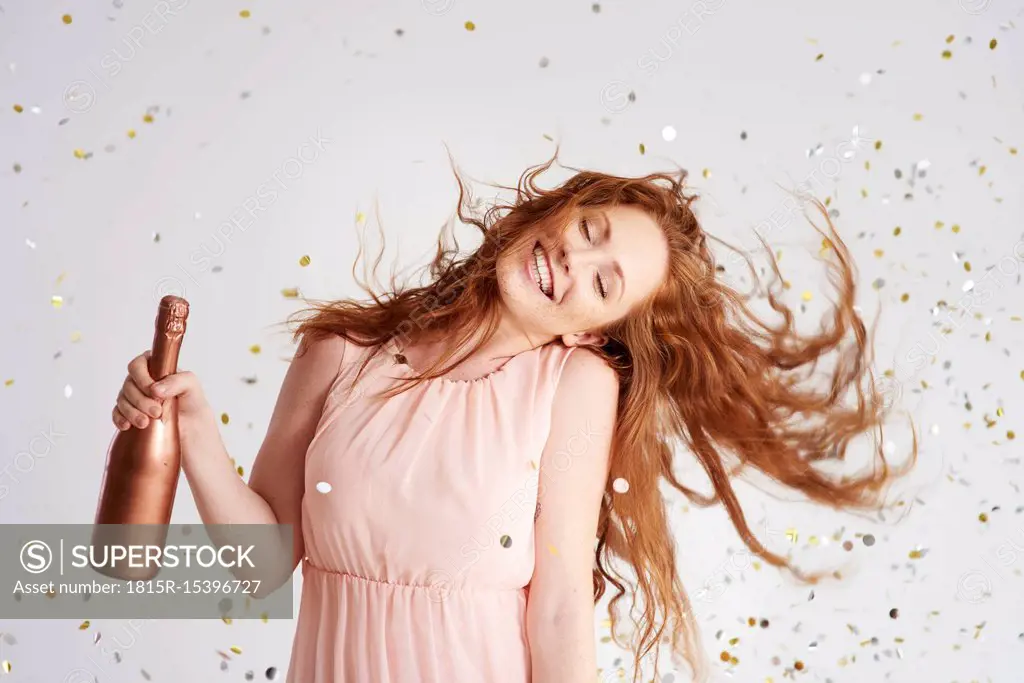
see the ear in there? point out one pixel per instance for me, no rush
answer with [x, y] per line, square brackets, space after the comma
[584, 339]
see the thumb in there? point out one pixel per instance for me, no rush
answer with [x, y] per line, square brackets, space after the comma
[177, 384]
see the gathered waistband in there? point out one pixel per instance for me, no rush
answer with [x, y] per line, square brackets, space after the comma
[439, 583]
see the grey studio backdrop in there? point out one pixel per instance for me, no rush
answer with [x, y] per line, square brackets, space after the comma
[206, 148]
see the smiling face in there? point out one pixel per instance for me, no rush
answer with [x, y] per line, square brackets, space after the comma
[571, 282]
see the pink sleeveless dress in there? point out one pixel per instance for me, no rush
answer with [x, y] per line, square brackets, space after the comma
[418, 524]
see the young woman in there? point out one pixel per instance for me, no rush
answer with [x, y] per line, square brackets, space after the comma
[472, 462]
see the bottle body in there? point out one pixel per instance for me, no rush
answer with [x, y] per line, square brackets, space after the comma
[142, 469]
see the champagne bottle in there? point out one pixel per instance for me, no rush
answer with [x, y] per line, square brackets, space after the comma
[143, 465]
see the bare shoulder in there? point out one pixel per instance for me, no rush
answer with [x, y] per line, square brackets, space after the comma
[585, 373]
[320, 354]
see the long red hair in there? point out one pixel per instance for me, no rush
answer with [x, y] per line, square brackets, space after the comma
[697, 369]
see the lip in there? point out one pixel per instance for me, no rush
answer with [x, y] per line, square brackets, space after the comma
[551, 271]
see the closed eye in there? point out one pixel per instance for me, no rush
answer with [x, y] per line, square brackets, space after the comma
[585, 229]
[601, 289]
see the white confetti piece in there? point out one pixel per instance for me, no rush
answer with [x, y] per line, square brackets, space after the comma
[620, 485]
[968, 286]
[865, 78]
[668, 133]
[323, 487]
[67, 391]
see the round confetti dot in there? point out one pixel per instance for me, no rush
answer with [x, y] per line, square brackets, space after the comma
[865, 78]
[470, 26]
[847, 545]
[620, 485]
[751, 621]
[506, 541]
[323, 487]
[806, 296]
[66, 18]
[224, 418]
[743, 135]
[544, 61]
[272, 673]
[668, 133]
[245, 14]
[725, 656]
[894, 613]
[304, 261]
[798, 665]
[982, 517]
[869, 540]
[992, 44]
[764, 623]
[17, 168]
[18, 108]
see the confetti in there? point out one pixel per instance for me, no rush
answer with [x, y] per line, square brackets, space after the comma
[806, 296]
[947, 54]
[66, 18]
[5, 666]
[18, 108]
[57, 300]
[290, 292]
[84, 625]
[992, 44]
[506, 541]
[255, 348]
[620, 485]
[869, 540]
[706, 173]
[67, 391]
[470, 26]
[323, 487]
[245, 14]
[271, 673]
[224, 418]
[237, 650]
[304, 261]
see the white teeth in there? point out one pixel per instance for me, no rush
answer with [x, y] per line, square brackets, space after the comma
[541, 273]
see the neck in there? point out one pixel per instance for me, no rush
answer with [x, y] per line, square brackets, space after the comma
[509, 339]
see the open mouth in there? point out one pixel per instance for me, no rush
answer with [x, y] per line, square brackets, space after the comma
[541, 269]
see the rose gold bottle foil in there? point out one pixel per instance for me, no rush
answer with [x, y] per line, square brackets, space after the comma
[143, 465]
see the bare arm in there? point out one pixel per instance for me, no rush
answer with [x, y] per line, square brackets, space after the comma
[276, 483]
[560, 609]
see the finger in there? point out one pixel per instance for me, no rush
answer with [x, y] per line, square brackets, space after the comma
[138, 370]
[131, 412]
[138, 399]
[176, 384]
[120, 421]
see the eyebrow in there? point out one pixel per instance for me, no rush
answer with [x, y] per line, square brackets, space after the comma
[615, 264]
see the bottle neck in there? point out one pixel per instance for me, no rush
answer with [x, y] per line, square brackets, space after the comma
[164, 360]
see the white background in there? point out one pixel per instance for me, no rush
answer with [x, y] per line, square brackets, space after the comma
[234, 99]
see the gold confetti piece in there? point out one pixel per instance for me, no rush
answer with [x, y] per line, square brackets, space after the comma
[896, 231]
[131, 133]
[237, 650]
[506, 541]
[290, 292]
[66, 18]
[879, 253]
[9, 382]
[57, 300]
[706, 172]
[806, 296]
[947, 54]
[955, 228]
[878, 144]
[643, 149]
[950, 38]
[918, 117]
[992, 44]
[84, 625]
[904, 298]
[304, 261]
[533, 465]
[917, 554]
[967, 266]
[939, 225]
[1000, 412]
[798, 665]
[1011, 435]
[820, 57]
[792, 536]
[470, 26]
[255, 348]
[226, 620]
[982, 517]
[1013, 150]
[245, 14]
[5, 666]
[148, 118]
[360, 217]
[265, 617]
[224, 418]
[981, 170]
[240, 471]
[18, 108]
[79, 153]
[724, 656]
[552, 549]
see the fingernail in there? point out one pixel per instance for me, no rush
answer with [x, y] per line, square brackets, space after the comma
[158, 389]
